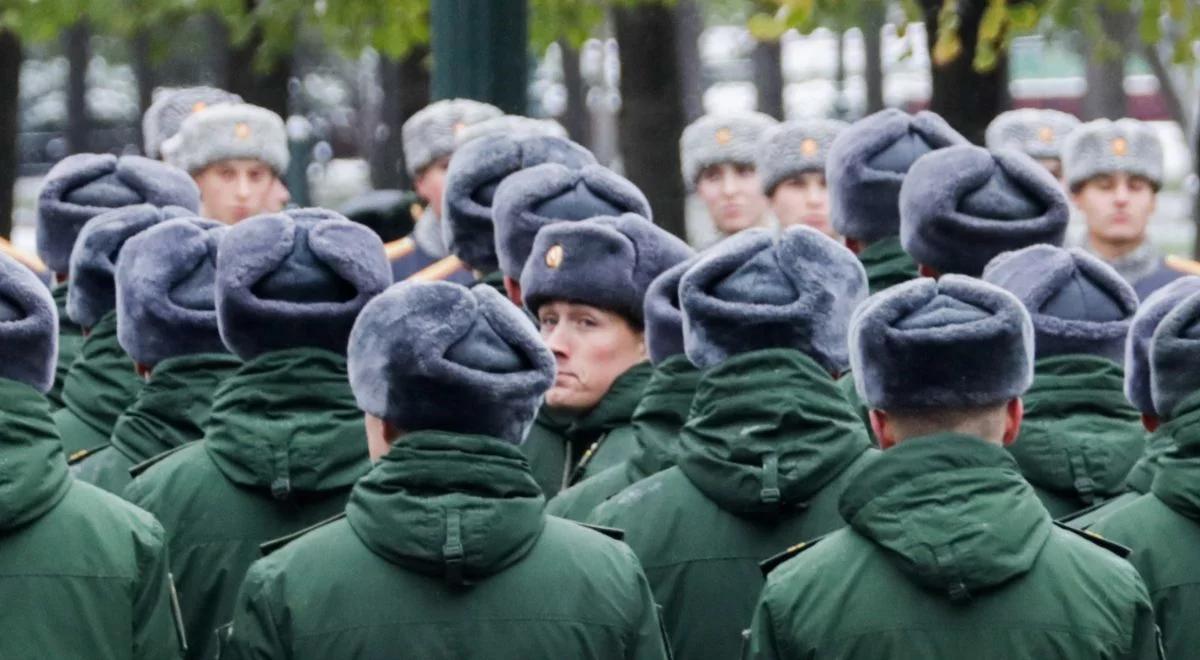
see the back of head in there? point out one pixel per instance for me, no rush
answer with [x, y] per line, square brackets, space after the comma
[28, 327]
[789, 149]
[1149, 316]
[963, 205]
[949, 344]
[1078, 303]
[432, 132]
[295, 279]
[171, 107]
[475, 173]
[421, 351]
[1035, 132]
[83, 186]
[537, 196]
[1174, 354]
[754, 291]
[166, 306]
[229, 131]
[868, 162]
[721, 138]
[93, 291]
[1106, 147]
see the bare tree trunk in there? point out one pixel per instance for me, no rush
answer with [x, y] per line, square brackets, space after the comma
[405, 84]
[652, 116]
[768, 77]
[966, 98]
[872, 29]
[10, 80]
[576, 119]
[689, 23]
[1195, 140]
[79, 53]
[247, 77]
[1105, 95]
[1166, 85]
[146, 82]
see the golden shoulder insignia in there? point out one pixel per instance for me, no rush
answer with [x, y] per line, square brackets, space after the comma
[724, 135]
[1182, 265]
[1120, 146]
[771, 563]
[1112, 546]
[809, 147]
[554, 256]
[1046, 134]
[78, 456]
[241, 131]
[198, 106]
[416, 210]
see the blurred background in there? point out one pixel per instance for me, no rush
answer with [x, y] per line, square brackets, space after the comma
[624, 77]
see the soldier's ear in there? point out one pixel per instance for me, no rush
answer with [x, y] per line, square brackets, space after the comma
[1014, 412]
[1151, 422]
[883, 428]
[928, 271]
[513, 289]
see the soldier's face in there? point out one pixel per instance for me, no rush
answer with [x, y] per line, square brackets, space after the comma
[803, 200]
[591, 347]
[733, 196]
[430, 183]
[233, 190]
[1117, 207]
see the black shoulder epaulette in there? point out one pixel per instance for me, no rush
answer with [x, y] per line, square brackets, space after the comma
[145, 465]
[771, 563]
[1112, 546]
[84, 453]
[610, 532]
[267, 548]
[1075, 518]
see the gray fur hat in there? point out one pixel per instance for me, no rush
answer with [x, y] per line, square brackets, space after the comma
[1035, 132]
[432, 132]
[81, 187]
[963, 205]
[1078, 303]
[754, 291]
[165, 301]
[537, 196]
[295, 279]
[794, 147]
[28, 326]
[93, 291]
[1174, 350]
[607, 262]
[1149, 316]
[475, 173]
[955, 342]
[664, 317]
[868, 161]
[721, 138]
[514, 126]
[1104, 147]
[420, 351]
[228, 132]
[170, 107]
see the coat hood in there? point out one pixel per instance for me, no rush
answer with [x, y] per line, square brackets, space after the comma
[767, 430]
[661, 414]
[1178, 480]
[286, 422]
[461, 507]
[33, 470]
[102, 382]
[951, 511]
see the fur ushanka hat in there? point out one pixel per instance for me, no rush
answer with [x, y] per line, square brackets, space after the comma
[28, 327]
[1174, 350]
[663, 316]
[1149, 316]
[170, 108]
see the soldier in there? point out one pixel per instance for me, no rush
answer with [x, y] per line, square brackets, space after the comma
[717, 153]
[102, 382]
[447, 531]
[1163, 526]
[866, 165]
[1036, 132]
[1080, 436]
[791, 164]
[166, 322]
[943, 528]
[770, 443]
[84, 573]
[660, 415]
[585, 282]
[284, 440]
[236, 153]
[430, 137]
[77, 189]
[963, 205]
[474, 179]
[1114, 171]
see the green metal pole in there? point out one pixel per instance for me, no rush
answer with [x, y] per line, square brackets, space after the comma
[481, 51]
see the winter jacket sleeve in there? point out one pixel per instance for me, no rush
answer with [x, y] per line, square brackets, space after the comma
[761, 645]
[1147, 639]
[650, 642]
[256, 632]
[156, 619]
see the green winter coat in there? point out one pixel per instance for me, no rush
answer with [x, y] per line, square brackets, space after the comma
[950, 554]
[1080, 435]
[99, 387]
[767, 450]
[564, 449]
[70, 337]
[1163, 529]
[84, 573]
[171, 409]
[887, 264]
[656, 425]
[283, 445]
[445, 553]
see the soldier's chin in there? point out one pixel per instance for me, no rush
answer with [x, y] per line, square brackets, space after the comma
[570, 398]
